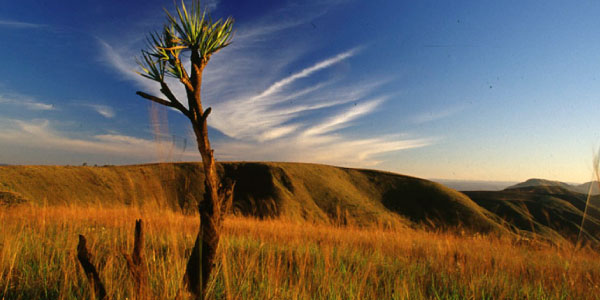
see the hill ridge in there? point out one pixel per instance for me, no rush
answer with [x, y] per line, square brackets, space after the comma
[298, 191]
[314, 193]
[583, 188]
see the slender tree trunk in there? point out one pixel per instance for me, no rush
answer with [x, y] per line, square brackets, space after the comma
[217, 200]
[217, 195]
[200, 263]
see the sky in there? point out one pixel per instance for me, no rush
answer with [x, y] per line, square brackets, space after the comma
[474, 90]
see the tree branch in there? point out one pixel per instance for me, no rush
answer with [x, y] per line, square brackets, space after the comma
[185, 78]
[155, 99]
[205, 114]
[175, 104]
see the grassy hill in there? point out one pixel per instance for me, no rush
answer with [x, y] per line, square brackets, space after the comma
[474, 185]
[318, 193]
[293, 191]
[550, 211]
[281, 257]
[585, 188]
[578, 188]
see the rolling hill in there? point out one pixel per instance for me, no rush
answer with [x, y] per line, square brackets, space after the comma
[578, 188]
[474, 185]
[312, 192]
[549, 211]
[288, 190]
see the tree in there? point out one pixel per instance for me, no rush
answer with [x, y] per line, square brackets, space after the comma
[193, 37]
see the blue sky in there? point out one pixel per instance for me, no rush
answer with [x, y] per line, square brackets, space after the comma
[479, 90]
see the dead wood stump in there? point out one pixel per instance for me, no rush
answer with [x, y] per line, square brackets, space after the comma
[136, 263]
[90, 270]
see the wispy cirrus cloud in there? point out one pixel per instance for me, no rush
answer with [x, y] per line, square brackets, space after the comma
[123, 60]
[279, 85]
[435, 115]
[335, 150]
[40, 134]
[25, 101]
[254, 117]
[270, 113]
[104, 110]
[37, 105]
[20, 25]
[341, 120]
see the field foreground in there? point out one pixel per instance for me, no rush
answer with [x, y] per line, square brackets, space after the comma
[278, 259]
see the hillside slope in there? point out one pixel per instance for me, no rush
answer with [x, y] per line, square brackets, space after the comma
[289, 190]
[583, 188]
[550, 211]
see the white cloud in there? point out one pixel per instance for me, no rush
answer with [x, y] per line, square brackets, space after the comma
[250, 117]
[17, 24]
[277, 86]
[436, 115]
[277, 132]
[333, 150]
[28, 102]
[38, 105]
[341, 120]
[38, 134]
[123, 61]
[103, 110]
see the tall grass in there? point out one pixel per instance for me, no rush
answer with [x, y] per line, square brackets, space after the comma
[278, 259]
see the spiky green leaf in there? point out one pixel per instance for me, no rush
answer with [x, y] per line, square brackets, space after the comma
[188, 30]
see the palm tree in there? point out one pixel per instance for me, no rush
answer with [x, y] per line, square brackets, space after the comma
[194, 33]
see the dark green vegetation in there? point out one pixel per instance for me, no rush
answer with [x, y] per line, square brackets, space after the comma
[319, 193]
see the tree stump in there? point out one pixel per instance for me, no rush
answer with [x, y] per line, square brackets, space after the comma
[90, 270]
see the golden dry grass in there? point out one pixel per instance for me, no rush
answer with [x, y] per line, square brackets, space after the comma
[278, 259]
[292, 190]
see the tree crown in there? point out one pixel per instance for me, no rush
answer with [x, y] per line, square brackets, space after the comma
[193, 31]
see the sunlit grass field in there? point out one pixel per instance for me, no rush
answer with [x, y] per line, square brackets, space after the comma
[278, 259]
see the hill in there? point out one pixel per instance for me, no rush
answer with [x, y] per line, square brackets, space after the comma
[475, 185]
[581, 188]
[585, 187]
[293, 191]
[312, 192]
[550, 211]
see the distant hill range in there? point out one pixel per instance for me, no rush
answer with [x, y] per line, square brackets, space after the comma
[475, 185]
[552, 212]
[316, 193]
[579, 188]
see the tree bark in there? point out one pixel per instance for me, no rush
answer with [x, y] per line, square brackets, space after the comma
[217, 195]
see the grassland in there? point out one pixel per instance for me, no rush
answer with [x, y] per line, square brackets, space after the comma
[279, 259]
[317, 193]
